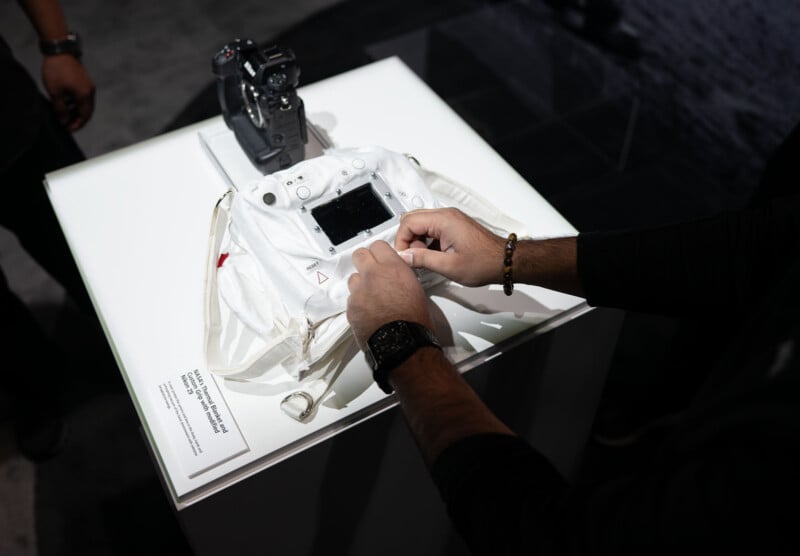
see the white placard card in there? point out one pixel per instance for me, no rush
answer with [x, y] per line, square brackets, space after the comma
[196, 418]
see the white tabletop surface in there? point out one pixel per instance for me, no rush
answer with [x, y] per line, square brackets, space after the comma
[137, 222]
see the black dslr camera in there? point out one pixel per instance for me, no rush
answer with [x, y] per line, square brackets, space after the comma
[256, 90]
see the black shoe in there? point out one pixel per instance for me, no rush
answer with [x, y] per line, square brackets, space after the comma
[40, 437]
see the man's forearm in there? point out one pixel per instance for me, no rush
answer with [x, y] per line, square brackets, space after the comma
[550, 263]
[46, 17]
[439, 406]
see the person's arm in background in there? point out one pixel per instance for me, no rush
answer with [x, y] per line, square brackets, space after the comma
[65, 78]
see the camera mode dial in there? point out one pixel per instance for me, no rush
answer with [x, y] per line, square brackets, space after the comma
[225, 62]
[277, 81]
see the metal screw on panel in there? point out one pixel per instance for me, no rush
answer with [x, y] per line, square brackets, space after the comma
[303, 208]
[338, 191]
[373, 175]
[331, 250]
[317, 229]
[388, 194]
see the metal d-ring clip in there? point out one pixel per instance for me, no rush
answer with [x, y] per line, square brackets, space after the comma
[307, 397]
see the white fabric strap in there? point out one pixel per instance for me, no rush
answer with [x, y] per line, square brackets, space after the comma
[211, 310]
[302, 404]
[452, 194]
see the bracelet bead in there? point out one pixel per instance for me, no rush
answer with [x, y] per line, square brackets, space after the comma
[508, 282]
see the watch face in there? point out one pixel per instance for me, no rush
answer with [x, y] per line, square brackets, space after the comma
[390, 342]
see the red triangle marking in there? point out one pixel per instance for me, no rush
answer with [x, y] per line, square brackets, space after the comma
[321, 277]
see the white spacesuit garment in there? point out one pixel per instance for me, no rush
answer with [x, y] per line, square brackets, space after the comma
[280, 254]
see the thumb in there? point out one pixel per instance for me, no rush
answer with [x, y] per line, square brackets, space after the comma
[429, 259]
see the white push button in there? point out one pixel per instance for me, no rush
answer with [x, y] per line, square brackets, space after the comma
[358, 164]
[417, 201]
[303, 192]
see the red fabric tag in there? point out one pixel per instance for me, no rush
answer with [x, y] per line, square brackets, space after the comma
[222, 258]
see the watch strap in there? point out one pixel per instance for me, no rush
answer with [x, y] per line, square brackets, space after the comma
[393, 343]
[70, 45]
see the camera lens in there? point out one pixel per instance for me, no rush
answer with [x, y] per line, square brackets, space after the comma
[277, 81]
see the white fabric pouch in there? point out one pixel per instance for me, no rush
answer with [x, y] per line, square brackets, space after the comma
[280, 254]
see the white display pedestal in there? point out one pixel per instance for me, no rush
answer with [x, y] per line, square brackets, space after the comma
[137, 223]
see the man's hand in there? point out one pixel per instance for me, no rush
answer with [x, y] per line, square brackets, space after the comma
[464, 251]
[71, 89]
[439, 405]
[383, 289]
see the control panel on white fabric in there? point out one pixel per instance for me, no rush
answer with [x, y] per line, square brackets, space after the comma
[352, 213]
[352, 203]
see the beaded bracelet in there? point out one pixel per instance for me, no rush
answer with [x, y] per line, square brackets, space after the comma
[508, 283]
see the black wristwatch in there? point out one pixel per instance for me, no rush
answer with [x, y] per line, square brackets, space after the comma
[392, 344]
[70, 45]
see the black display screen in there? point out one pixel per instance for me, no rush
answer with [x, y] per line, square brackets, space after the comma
[344, 217]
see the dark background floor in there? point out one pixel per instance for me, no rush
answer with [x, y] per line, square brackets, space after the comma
[611, 141]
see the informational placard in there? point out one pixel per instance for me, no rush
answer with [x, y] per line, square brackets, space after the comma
[198, 420]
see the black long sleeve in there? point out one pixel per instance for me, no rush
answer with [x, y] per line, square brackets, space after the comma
[734, 491]
[717, 264]
[726, 480]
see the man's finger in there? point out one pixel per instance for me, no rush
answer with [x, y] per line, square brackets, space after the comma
[353, 281]
[429, 259]
[84, 111]
[382, 252]
[361, 258]
[416, 225]
[62, 110]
